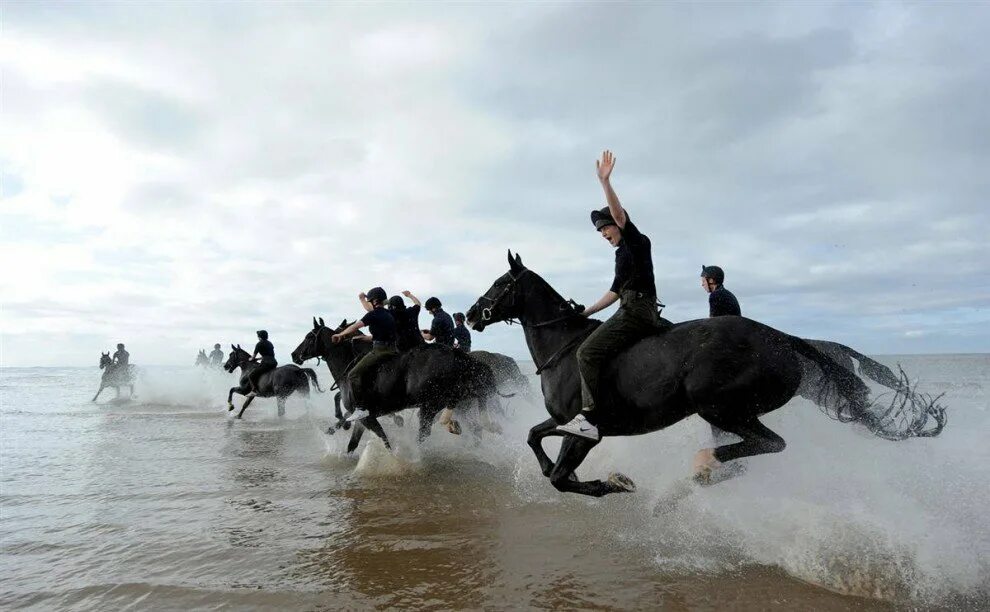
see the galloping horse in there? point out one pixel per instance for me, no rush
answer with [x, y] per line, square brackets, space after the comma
[202, 360]
[728, 370]
[280, 383]
[114, 376]
[432, 377]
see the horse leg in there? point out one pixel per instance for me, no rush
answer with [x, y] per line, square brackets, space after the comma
[426, 416]
[244, 406]
[573, 451]
[757, 439]
[355, 437]
[535, 441]
[100, 390]
[376, 427]
[280, 401]
[230, 397]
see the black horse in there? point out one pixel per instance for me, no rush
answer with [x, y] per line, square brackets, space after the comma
[430, 376]
[115, 376]
[507, 373]
[728, 370]
[280, 383]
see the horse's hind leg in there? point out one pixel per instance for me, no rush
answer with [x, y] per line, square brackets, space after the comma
[100, 390]
[757, 439]
[280, 401]
[426, 416]
[244, 406]
[573, 451]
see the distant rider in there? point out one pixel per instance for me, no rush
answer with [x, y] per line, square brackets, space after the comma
[121, 358]
[216, 357]
[266, 350]
[442, 329]
[637, 316]
[721, 302]
[406, 321]
[462, 336]
[383, 337]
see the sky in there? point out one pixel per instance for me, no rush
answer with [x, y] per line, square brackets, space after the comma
[178, 174]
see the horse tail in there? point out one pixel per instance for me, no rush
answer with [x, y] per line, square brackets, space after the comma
[872, 369]
[845, 397]
[312, 377]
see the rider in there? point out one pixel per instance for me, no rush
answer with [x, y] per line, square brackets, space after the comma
[406, 321]
[121, 357]
[721, 302]
[637, 316]
[383, 336]
[442, 329]
[216, 357]
[462, 336]
[267, 351]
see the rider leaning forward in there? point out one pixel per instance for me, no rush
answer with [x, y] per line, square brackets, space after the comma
[383, 336]
[266, 350]
[633, 287]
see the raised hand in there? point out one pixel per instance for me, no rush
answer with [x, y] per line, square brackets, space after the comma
[407, 293]
[362, 296]
[605, 165]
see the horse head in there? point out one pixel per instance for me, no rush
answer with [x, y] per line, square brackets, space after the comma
[503, 300]
[237, 358]
[105, 360]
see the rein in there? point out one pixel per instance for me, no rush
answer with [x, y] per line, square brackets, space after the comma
[336, 383]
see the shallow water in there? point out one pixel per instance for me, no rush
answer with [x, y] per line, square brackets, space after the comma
[167, 502]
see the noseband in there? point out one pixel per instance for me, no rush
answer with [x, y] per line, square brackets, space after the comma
[571, 307]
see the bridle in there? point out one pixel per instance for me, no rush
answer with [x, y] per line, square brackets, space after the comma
[319, 358]
[572, 308]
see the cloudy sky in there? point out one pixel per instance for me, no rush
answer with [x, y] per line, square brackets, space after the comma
[175, 174]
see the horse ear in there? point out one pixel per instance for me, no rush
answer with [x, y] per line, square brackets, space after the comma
[233, 347]
[509, 256]
[315, 324]
[519, 261]
[516, 264]
[322, 324]
[343, 323]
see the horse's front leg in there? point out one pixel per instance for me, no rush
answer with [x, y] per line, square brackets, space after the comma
[100, 390]
[573, 451]
[535, 441]
[426, 416]
[230, 396]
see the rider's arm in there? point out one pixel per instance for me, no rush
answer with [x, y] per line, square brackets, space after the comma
[415, 300]
[364, 302]
[606, 300]
[604, 167]
[353, 327]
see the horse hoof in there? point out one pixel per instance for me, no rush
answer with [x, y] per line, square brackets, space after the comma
[330, 431]
[621, 482]
[230, 406]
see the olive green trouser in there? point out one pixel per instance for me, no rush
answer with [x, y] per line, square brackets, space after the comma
[369, 361]
[637, 318]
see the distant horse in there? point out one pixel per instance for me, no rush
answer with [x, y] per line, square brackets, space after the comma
[115, 376]
[507, 372]
[202, 360]
[728, 370]
[432, 377]
[279, 383]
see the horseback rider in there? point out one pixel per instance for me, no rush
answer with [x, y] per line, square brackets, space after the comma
[216, 357]
[442, 328]
[406, 321]
[266, 350]
[383, 337]
[121, 357]
[721, 301]
[633, 286]
[462, 336]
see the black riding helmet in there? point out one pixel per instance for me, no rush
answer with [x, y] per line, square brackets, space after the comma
[263, 334]
[396, 303]
[433, 303]
[216, 346]
[377, 294]
[713, 272]
[459, 317]
[602, 218]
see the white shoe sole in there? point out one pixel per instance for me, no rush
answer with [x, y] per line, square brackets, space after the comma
[581, 434]
[357, 416]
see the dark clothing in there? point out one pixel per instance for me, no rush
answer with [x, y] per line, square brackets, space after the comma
[721, 302]
[265, 366]
[121, 357]
[356, 375]
[634, 263]
[216, 357]
[442, 328]
[463, 337]
[407, 327]
[266, 350]
[382, 325]
[637, 318]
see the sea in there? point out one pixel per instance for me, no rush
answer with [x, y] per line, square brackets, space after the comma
[164, 501]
